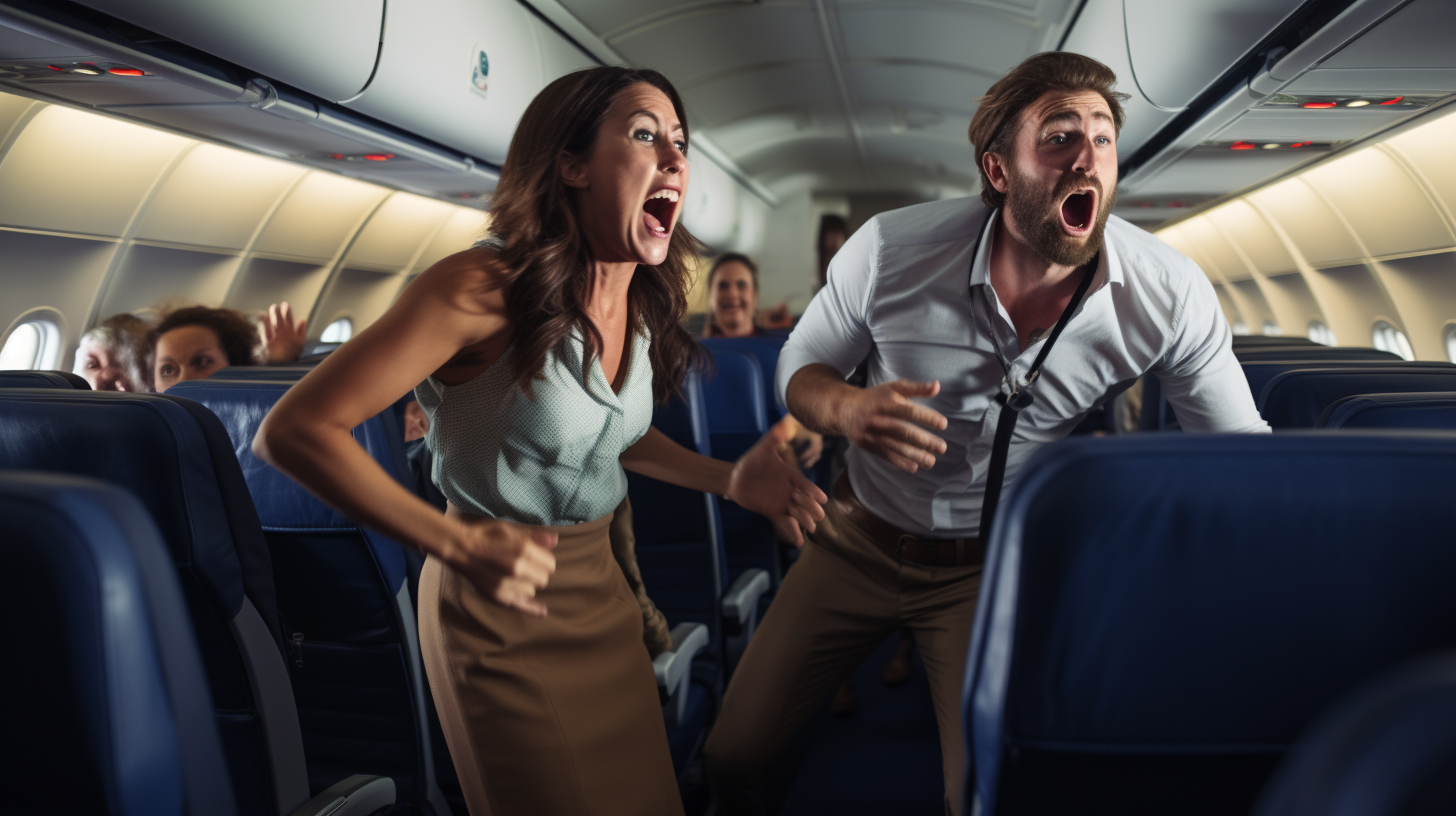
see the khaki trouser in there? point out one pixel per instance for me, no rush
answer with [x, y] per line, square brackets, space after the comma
[842, 598]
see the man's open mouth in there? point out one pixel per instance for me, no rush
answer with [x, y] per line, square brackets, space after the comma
[1078, 210]
[658, 210]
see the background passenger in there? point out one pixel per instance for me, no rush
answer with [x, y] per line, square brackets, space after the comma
[542, 350]
[194, 342]
[733, 305]
[113, 355]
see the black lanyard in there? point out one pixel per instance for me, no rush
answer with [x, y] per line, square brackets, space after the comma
[1019, 397]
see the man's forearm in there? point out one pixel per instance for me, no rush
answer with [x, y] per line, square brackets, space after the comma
[817, 396]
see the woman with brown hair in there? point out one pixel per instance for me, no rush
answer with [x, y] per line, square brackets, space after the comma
[542, 350]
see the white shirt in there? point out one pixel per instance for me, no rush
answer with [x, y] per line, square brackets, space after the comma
[900, 293]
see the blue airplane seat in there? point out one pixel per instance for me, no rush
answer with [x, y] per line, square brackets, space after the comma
[1242, 341]
[733, 394]
[1387, 749]
[1297, 398]
[348, 615]
[766, 348]
[1314, 352]
[1162, 615]
[1260, 372]
[43, 379]
[1430, 410]
[282, 373]
[109, 707]
[176, 457]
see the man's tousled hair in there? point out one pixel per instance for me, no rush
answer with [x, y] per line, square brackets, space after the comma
[994, 125]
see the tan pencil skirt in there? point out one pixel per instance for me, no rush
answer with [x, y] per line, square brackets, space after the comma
[553, 715]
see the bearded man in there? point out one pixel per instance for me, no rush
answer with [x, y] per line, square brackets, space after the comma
[956, 305]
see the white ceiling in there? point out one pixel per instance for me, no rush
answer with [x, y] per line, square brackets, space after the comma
[846, 95]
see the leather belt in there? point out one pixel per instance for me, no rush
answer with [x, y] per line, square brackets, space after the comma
[930, 552]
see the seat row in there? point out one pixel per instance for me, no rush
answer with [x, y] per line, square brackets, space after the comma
[323, 604]
[1299, 384]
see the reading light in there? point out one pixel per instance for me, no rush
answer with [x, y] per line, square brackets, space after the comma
[1357, 103]
[126, 72]
[1271, 146]
[1241, 146]
[92, 71]
[1322, 104]
[1395, 101]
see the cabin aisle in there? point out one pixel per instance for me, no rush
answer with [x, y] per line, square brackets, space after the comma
[883, 760]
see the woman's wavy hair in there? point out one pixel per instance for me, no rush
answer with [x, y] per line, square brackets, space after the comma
[237, 335]
[711, 328]
[545, 257]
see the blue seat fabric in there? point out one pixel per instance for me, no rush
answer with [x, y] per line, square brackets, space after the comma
[1430, 410]
[734, 398]
[1163, 614]
[109, 709]
[174, 455]
[680, 553]
[43, 379]
[350, 661]
[1292, 354]
[1243, 341]
[1297, 398]
[766, 348]
[1387, 748]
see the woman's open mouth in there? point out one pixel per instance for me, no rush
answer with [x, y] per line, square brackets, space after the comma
[1078, 210]
[658, 210]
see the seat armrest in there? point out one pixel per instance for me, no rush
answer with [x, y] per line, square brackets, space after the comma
[672, 669]
[358, 795]
[740, 602]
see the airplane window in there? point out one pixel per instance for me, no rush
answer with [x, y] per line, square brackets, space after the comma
[1320, 333]
[1388, 338]
[1451, 342]
[1270, 327]
[338, 331]
[1240, 327]
[32, 345]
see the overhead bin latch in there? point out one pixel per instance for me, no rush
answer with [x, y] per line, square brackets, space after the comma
[1264, 82]
[259, 93]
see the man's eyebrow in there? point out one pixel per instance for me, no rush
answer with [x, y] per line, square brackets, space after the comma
[653, 117]
[1068, 115]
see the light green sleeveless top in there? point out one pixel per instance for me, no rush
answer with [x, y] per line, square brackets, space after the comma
[552, 460]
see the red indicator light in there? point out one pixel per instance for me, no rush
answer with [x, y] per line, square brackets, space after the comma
[1241, 146]
[125, 72]
[378, 156]
[1301, 144]
[55, 68]
[1395, 101]
[337, 156]
[1320, 104]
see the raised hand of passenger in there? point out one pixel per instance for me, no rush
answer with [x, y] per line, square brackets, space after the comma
[886, 422]
[762, 482]
[283, 338]
[508, 563]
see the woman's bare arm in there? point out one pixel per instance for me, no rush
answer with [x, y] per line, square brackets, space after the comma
[759, 480]
[454, 305]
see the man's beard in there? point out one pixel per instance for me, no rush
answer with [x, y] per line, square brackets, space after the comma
[1038, 215]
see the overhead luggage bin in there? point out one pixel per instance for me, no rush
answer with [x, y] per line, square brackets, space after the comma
[325, 47]
[461, 72]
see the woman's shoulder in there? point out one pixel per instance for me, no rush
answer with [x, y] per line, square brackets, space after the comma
[473, 278]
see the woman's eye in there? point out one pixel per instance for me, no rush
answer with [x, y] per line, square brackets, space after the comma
[643, 134]
[1058, 139]
[682, 147]
[168, 370]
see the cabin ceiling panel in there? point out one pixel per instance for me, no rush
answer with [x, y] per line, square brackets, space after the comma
[1428, 149]
[69, 171]
[934, 157]
[834, 158]
[1393, 216]
[149, 275]
[971, 37]
[1336, 81]
[949, 89]
[1242, 223]
[724, 98]
[1295, 291]
[53, 270]
[617, 17]
[396, 231]
[318, 216]
[464, 228]
[689, 47]
[1358, 299]
[265, 281]
[1262, 311]
[115, 91]
[1310, 125]
[17, 45]
[754, 133]
[12, 110]
[1216, 249]
[1311, 224]
[216, 197]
